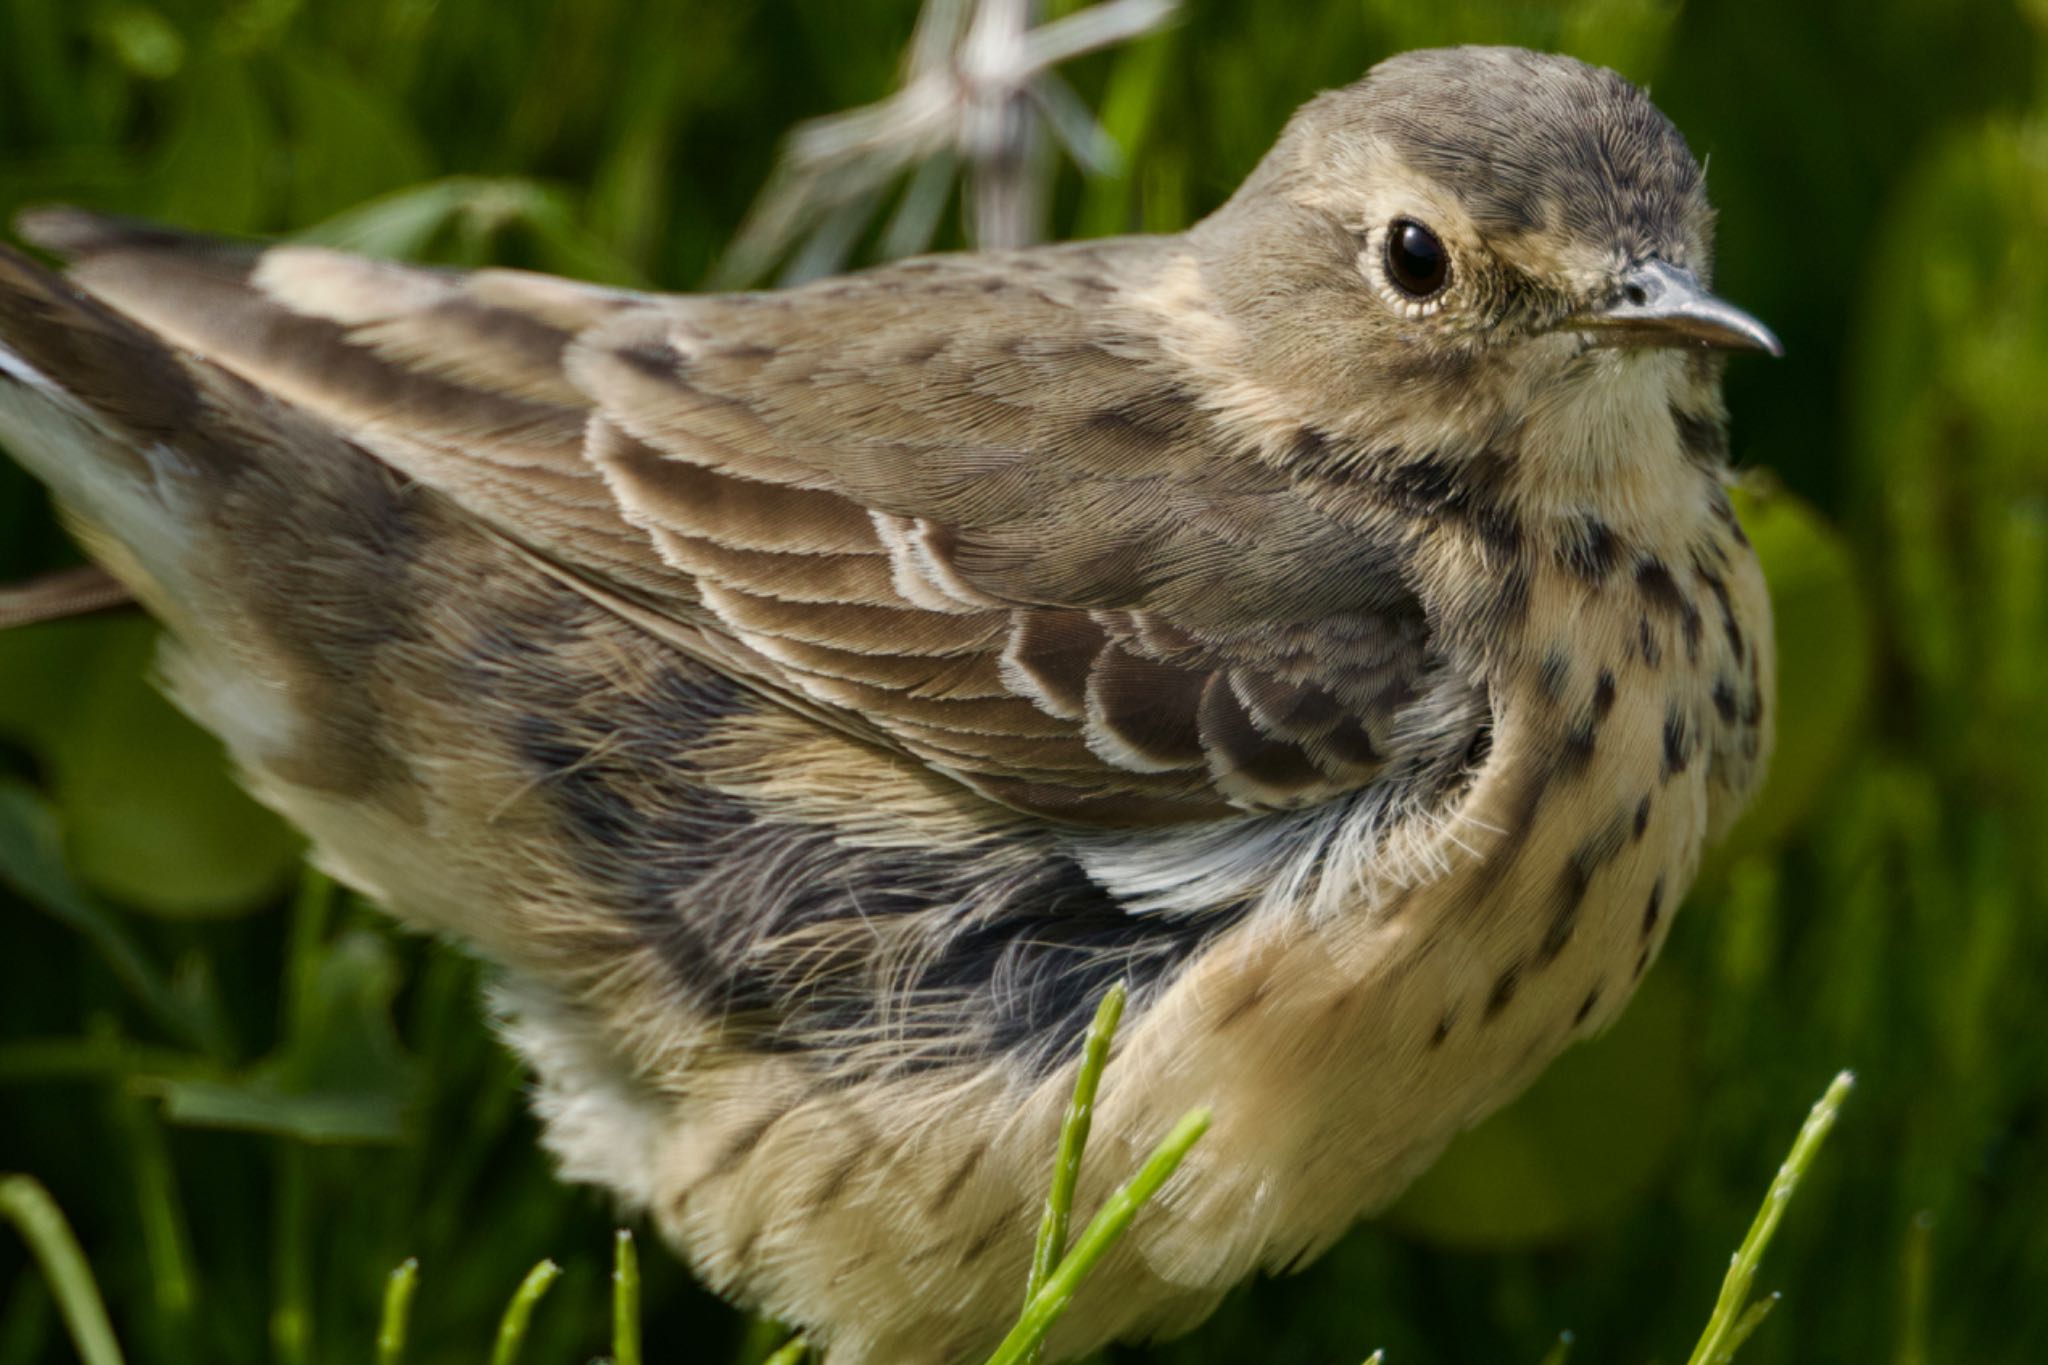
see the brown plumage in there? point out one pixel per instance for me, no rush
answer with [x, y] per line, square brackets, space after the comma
[1330, 619]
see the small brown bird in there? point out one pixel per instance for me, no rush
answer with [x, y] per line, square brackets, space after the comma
[1330, 619]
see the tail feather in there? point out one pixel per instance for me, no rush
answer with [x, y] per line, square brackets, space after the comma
[110, 418]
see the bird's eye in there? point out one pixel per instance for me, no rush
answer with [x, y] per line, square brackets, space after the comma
[1416, 261]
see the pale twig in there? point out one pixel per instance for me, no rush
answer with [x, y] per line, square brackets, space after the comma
[977, 93]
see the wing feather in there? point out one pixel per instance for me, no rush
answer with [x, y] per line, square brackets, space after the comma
[962, 506]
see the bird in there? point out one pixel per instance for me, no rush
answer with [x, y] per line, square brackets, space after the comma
[1330, 621]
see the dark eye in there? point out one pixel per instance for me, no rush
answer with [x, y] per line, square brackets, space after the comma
[1416, 261]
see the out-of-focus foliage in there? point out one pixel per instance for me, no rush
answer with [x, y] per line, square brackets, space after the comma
[251, 1117]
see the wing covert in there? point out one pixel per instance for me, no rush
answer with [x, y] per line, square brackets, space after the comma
[962, 503]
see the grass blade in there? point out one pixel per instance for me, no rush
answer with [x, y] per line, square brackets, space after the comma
[291, 1258]
[1733, 1319]
[793, 1352]
[1103, 1231]
[1066, 1173]
[519, 1312]
[625, 1300]
[396, 1318]
[25, 1203]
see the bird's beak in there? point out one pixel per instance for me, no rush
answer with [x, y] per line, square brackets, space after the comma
[1655, 303]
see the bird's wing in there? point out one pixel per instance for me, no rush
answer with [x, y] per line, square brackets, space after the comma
[943, 501]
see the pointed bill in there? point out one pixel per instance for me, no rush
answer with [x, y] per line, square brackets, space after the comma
[1660, 304]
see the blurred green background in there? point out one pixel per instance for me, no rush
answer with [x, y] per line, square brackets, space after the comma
[254, 1098]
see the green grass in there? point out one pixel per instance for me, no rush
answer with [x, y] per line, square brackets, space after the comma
[1056, 1270]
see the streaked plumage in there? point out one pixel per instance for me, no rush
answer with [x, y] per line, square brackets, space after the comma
[814, 700]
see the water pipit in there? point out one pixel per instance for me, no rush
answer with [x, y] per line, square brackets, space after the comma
[1330, 620]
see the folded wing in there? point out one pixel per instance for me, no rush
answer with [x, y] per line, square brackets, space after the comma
[961, 505]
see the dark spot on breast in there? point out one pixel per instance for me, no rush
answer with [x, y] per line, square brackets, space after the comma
[1648, 644]
[1442, 1030]
[1729, 626]
[1461, 493]
[1653, 911]
[1642, 961]
[1724, 699]
[957, 1181]
[1677, 742]
[1586, 1007]
[1577, 752]
[1574, 882]
[1642, 822]
[1701, 436]
[1659, 588]
[834, 1184]
[1590, 550]
[1603, 695]
[1504, 987]
[987, 1240]
[1564, 919]
[1725, 510]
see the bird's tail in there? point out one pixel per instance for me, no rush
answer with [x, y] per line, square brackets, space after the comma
[116, 423]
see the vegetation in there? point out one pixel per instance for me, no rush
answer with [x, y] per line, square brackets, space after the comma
[252, 1101]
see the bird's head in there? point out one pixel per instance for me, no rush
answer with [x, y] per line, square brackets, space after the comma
[1465, 231]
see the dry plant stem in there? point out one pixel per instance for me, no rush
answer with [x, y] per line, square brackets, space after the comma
[26, 1204]
[977, 84]
[1732, 1318]
[512, 1328]
[58, 594]
[392, 1323]
[1008, 205]
[625, 1300]
[1103, 1231]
